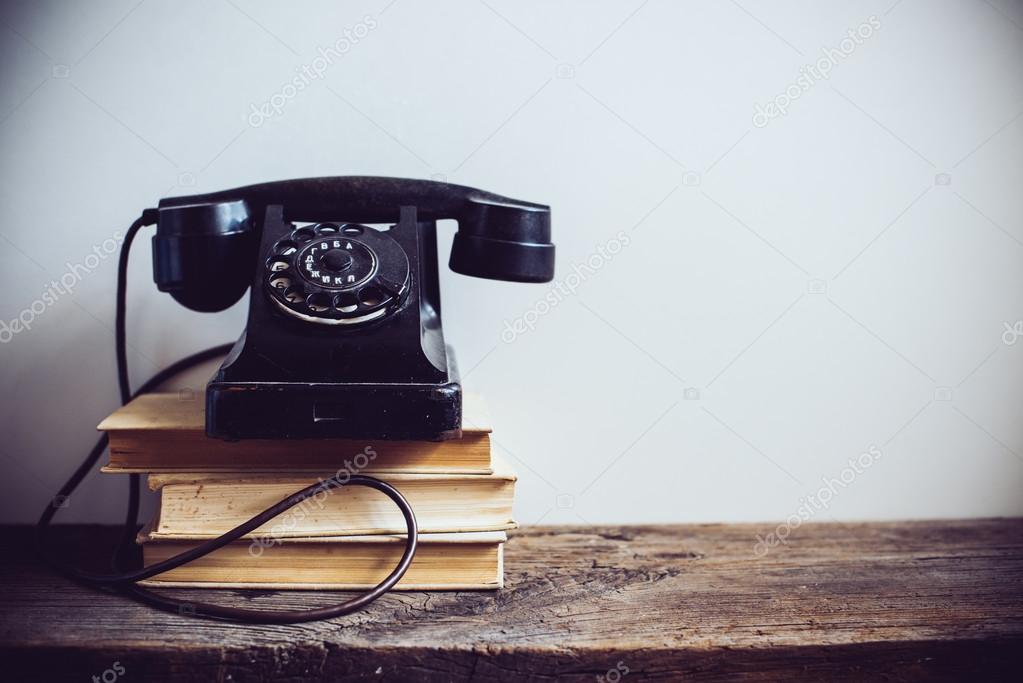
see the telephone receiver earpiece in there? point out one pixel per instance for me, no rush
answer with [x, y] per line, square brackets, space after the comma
[205, 245]
[203, 252]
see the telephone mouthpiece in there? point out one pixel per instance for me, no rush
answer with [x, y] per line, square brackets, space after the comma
[504, 239]
[496, 259]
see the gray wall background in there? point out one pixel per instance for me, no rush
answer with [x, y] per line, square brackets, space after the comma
[765, 270]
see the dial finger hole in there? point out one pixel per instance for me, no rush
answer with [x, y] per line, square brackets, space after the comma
[293, 295]
[346, 302]
[280, 281]
[371, 296]
[286, 247]
[352, 230]
[326, 229]
[303, 235]
[319, 302]
[279, 263]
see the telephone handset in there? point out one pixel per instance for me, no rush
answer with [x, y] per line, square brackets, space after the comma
[344, 336]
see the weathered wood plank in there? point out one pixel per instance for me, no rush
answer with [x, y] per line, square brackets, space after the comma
[911, 601]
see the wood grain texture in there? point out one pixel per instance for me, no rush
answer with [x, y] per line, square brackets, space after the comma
[879, 601]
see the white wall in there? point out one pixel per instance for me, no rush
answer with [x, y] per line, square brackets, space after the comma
[795, 289]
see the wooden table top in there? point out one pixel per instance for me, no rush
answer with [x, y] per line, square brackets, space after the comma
[936, 600]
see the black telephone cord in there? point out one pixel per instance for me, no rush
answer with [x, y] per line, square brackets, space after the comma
[124, 581]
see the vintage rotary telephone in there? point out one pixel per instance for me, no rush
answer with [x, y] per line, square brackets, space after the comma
[344, 334]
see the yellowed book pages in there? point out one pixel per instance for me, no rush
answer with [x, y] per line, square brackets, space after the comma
[210, 504]
[466, 561]
[166, 432]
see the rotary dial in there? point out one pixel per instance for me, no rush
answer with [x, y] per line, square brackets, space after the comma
[337, 274]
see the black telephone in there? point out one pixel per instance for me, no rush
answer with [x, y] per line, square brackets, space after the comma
[344, 334]
[343, 338]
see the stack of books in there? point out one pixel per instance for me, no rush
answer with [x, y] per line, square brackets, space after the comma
[346, 538]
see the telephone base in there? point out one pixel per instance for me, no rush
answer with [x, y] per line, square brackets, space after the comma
[297, 410]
